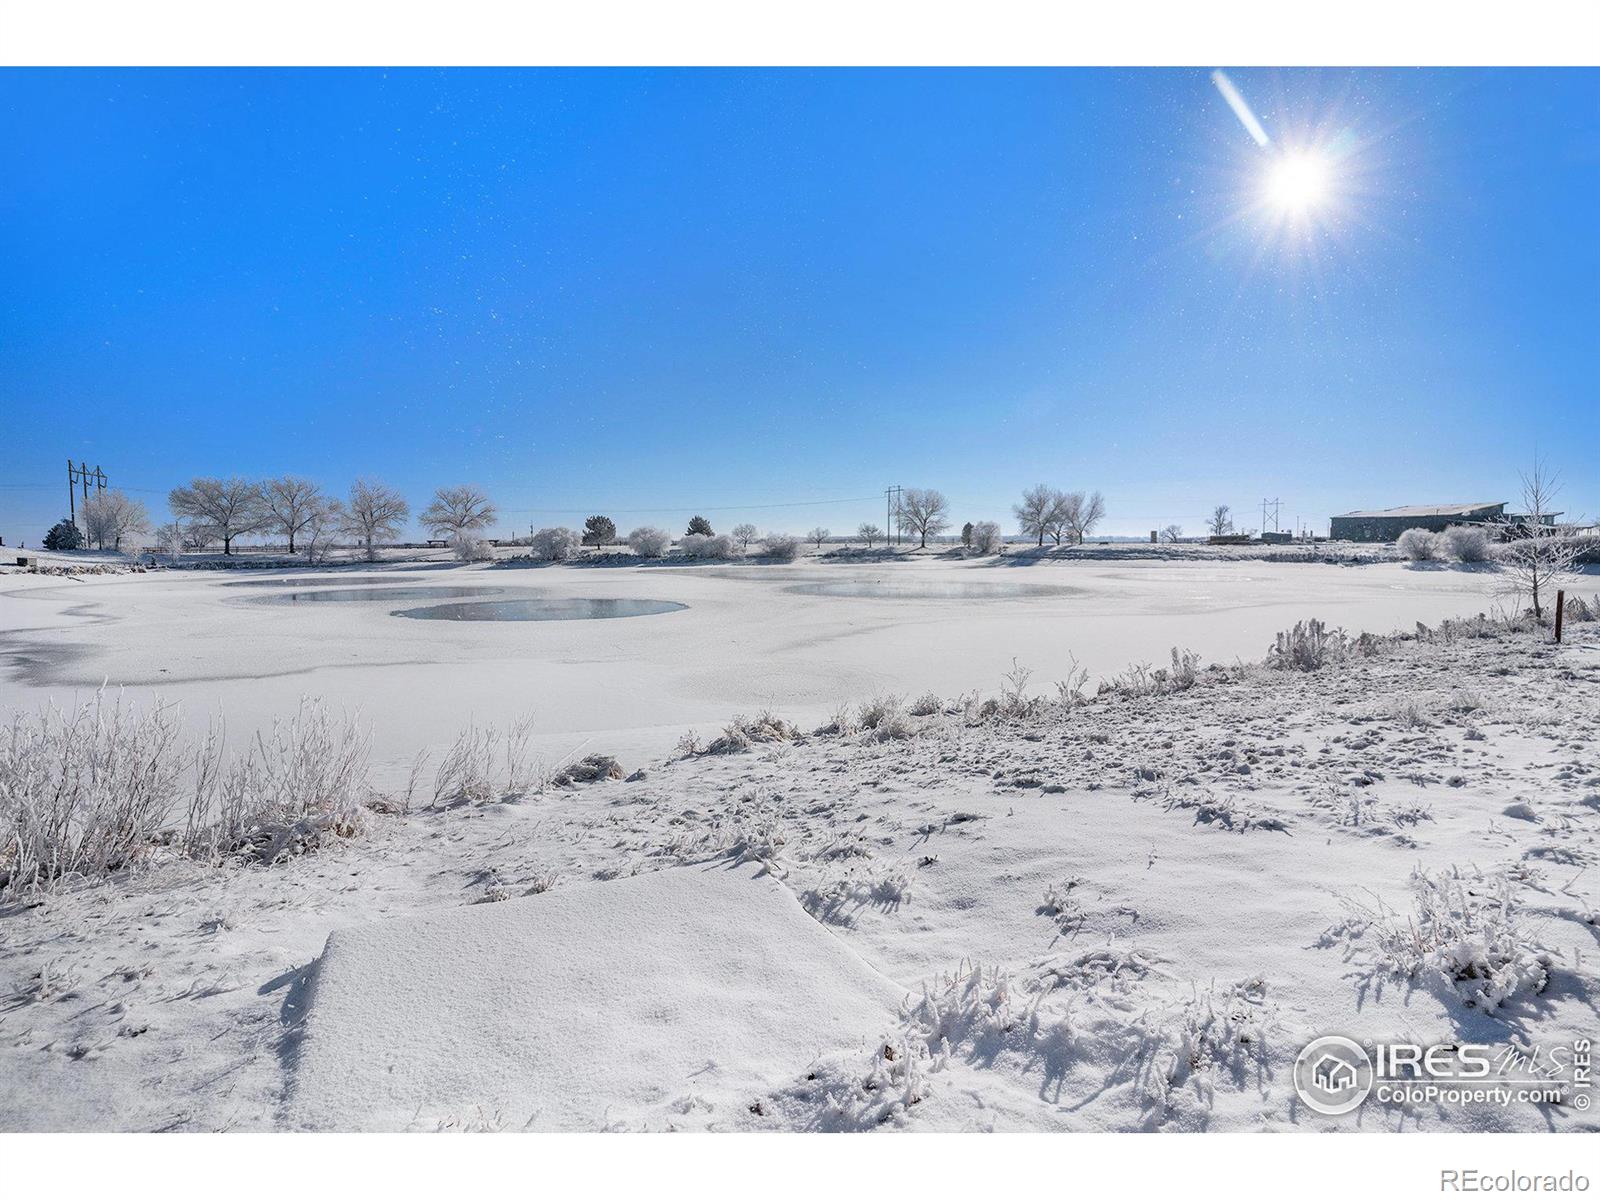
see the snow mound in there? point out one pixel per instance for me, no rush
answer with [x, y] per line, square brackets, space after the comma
[669, 999]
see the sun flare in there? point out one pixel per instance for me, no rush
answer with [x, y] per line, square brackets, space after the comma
[1298, 182]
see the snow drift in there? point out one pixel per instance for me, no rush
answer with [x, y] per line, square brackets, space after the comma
[672, 998]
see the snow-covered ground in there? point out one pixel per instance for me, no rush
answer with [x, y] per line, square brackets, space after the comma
[1127, 913]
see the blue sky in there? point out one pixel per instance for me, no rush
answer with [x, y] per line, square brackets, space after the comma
[649, 292]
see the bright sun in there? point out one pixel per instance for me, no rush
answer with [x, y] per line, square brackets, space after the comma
[1297, 182]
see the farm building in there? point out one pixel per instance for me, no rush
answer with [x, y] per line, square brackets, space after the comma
[1386, 524]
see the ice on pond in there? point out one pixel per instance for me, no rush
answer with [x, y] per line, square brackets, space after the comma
[351, 595]
[931, 589]
[551, 608]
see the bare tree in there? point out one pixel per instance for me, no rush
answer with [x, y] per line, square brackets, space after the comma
[375, 514]
[323, 524]
[229, 507]
[170, 539]
[291, 504]
[745, 534]
[458, 511]
[1220, 521]
[1086, 515]
[1063, 516]
[111, 516]
[1037, 512]
[869, 533]
[1540, 557]
[1172, 533]
[924, 512]
[817, 536]
[197, 535]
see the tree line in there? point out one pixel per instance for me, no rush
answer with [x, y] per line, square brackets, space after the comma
[208, 510]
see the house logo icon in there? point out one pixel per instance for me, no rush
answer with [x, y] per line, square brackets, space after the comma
[1333, 1075]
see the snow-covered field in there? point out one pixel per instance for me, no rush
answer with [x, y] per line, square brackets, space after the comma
[990, 905]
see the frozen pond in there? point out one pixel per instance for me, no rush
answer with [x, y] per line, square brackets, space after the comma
[352, 595]
[490, 645]
[570, 608]
[928, 589]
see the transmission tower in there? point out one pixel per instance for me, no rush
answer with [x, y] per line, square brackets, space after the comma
[81, 474]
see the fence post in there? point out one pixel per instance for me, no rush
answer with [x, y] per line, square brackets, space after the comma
[1561, 611]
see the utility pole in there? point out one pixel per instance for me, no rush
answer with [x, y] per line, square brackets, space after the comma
[891, 506]
[79, 476]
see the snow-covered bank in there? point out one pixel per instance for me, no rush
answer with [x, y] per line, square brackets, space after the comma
[1127, 913]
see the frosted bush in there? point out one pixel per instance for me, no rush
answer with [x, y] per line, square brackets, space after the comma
[301, 783]
[83, 793]
[986, 537]
[649, 542]
[1308, 646]
[591, 769]
[885, 719]
[780, 546]
[471, 549]
[1468, 543]
[743, 732]
[1420, 545]
[555, 544]
[487, 764]
[1141, 680]
[708, 546]
[1465, 931]
[926, 705]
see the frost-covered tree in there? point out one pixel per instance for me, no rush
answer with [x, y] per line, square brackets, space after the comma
[376, 513]
[1172, 533]
[699, 525]
[555, 544]
[700, 545]
[599, 531]
[1220, 522]
[457, 512]
[986, 537]
[1038, 514]
[1540, 557]
[869, 533]
[1468, 543]
[817, 536]
[924, 512]
[170, 539]
[1420, 545]
[745, 534]
[197, 535]
[229, 507]
[1062, 520]
[111, 516]
[1085, 515]
[321, 527]
[63, 535]
[780, 546]
[292, 504]
[649, 542]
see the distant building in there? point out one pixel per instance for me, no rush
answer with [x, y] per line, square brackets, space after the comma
[1386, 524]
